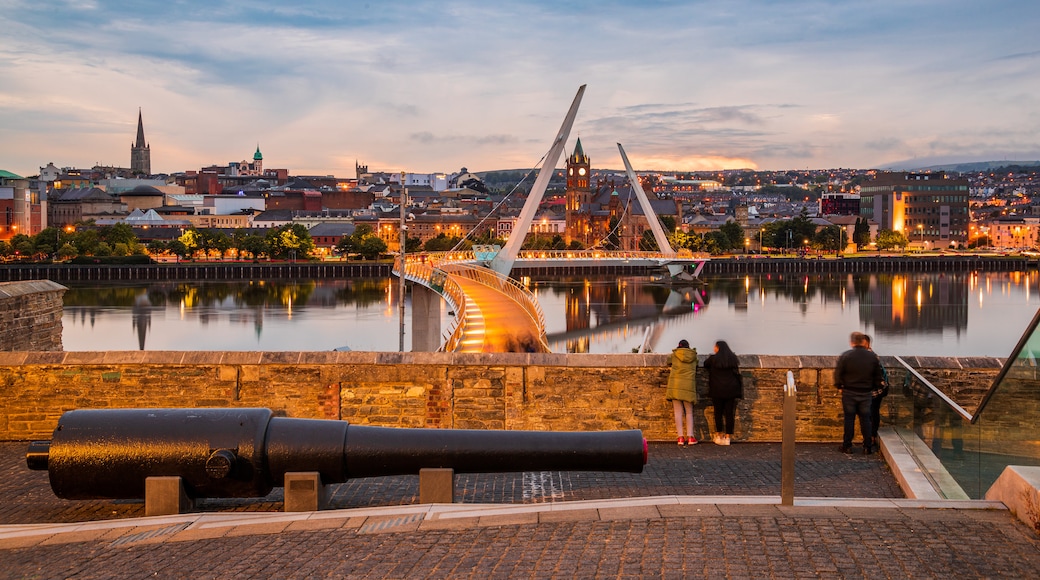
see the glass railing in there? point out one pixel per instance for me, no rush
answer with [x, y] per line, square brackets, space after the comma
[963, 445]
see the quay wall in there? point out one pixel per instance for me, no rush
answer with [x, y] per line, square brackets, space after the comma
[514, 391]
[306, 270]
[30, 315]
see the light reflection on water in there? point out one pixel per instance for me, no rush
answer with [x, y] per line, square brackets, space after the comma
[924, 314]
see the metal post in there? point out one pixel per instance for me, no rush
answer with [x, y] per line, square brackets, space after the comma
[787, 448]
[403, 241]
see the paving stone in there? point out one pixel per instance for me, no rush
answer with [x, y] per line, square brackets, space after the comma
[317, 524]
[737, 511]
[576, 515]
[629, 513]
[718, 539]
[509, 519]
[689, 511]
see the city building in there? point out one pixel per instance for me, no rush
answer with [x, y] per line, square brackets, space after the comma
[20, 214]
[1012, 232]
[839, 204]
[606, 214]
[930, 209]
[70, 206]
[578, 215]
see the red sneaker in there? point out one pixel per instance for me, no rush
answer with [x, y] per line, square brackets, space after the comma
[691, 441]
[682, 442]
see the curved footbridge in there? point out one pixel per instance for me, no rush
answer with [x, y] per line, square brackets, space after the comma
[495, 313]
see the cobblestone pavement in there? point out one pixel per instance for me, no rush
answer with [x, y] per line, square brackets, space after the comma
[703, 469]
[706, 511]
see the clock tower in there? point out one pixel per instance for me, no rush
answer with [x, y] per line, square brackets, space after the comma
[579, 196]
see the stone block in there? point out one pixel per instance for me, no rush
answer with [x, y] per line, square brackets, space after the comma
[436, 485]
[1019, 488]
[304, 492]
[165, 496]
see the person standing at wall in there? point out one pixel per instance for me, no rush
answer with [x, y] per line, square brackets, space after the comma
[725, 386]
[857, 374]
[878, 397]
[682, 389]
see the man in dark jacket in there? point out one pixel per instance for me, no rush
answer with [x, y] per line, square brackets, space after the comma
[857, 375]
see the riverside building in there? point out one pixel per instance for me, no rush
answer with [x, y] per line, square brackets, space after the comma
[930, 209]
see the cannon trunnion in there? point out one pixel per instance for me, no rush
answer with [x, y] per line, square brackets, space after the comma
[220, 453]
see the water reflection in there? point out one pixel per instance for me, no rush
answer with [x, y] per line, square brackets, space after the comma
[927, 314]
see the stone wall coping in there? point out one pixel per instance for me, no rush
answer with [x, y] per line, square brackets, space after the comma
[453, 359]
[25, 287]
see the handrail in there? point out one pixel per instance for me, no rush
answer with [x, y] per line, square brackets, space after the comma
[422, 273]
[467, 256]
[960, 410]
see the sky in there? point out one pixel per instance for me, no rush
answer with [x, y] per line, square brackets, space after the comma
[429, 87]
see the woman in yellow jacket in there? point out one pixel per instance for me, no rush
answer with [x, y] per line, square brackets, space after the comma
[682, 389]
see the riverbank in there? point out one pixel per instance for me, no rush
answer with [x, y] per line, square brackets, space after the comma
[312, 270]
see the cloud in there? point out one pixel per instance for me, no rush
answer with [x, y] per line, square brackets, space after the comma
[444, 84]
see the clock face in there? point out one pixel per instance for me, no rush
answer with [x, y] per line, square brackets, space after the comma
[581, 171]
[571, 171]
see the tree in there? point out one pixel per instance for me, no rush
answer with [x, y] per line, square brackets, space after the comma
[441, 243]
[117, 233]
[887, 239]
[713, 242]
[363, 242]
[412, 245]
[613, 241]
[86, 241]
[190, 238]
[47, 241]
[290, 241]
[734, 235]
[66, 251]
[371, 247]
[829, 238]
[861, 234]
[648, 243]
[256, 245]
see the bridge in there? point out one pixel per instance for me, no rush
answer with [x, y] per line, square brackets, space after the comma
[495, 313]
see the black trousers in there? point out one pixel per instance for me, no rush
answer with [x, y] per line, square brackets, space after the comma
[875, 415]
[725, 411]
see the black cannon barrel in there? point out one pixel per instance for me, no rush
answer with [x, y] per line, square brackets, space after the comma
[109, 453]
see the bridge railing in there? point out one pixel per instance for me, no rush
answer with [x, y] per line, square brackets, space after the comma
[423, 272]
[437, 258]
[606, 255]
[513, 289]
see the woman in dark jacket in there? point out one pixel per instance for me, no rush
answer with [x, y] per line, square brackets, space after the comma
[725, 386]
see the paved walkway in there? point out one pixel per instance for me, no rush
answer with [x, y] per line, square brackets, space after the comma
[703, 511]
[506, 326]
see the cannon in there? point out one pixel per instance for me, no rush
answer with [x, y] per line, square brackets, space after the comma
[240, 453]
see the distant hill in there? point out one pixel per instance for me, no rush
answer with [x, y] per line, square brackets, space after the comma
[963, 167]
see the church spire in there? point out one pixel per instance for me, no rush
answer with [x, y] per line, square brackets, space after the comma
[140, 130]
[140, 153]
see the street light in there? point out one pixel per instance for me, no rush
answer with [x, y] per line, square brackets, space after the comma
[747, 243]
[920, 230]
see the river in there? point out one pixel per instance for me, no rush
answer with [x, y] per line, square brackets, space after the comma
[924, 314]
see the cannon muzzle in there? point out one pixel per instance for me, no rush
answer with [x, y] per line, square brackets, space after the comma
[109, 453]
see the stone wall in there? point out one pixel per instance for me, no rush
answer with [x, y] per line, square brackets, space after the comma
[439, 390]
[30, 315]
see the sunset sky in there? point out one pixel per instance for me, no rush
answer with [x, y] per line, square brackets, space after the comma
[435, 86]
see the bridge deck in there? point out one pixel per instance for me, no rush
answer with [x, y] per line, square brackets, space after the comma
[507, 326]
